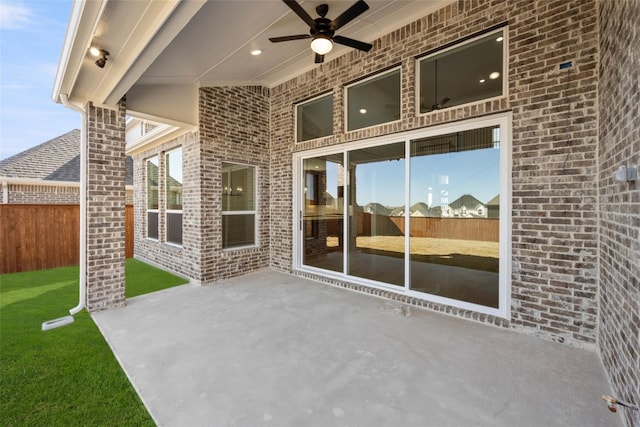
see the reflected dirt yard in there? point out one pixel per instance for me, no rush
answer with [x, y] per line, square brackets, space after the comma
[470, 254]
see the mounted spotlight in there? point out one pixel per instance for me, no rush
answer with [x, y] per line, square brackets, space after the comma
[101, 54]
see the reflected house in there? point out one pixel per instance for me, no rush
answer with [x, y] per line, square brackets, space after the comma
[377, 209]
[493, 207]
[466, 206]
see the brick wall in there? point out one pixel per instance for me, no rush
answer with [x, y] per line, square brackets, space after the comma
[184, 260]
[105, 207]
[619, 106]
[50, 194]
[554, 233]
[43, 194]
[234, 127]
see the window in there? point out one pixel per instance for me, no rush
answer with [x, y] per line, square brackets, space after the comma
[466, 73]
[152, 198]
[314, 118]
[238, 205]
[173, 196]
[374, 101]
[416, 213]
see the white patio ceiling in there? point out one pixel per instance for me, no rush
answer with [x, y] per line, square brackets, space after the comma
[203, 43]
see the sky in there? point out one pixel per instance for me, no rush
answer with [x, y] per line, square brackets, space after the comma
[31, 37]
[445, 176]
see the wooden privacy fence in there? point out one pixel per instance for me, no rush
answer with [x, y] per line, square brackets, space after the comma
[482, 229]
[35, 237]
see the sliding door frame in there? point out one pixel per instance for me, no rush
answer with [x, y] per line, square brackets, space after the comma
[505, 255]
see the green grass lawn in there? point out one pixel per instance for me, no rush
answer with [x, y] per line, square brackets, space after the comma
[65, 376]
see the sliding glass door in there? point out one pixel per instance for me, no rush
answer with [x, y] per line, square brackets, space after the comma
[455, 180]
[376, 206]
[322, 222]
[418, 213]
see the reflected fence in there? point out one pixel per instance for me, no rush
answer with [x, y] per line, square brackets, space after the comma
[479, 229]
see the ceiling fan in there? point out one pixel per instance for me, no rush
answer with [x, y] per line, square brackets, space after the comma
[322, 30]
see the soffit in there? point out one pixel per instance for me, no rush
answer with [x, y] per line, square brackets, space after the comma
[214, 49]
[207, 43]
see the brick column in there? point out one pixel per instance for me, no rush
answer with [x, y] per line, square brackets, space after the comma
[105, 207]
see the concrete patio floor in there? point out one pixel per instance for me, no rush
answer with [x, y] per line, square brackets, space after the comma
[273, 349]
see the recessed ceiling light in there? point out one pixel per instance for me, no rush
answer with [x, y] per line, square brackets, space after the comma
[494, 75]
[482, 80]
[499, 39]
[256, 52]
[363, 111]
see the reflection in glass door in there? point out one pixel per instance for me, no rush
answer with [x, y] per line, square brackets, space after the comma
[323, 212]
[376, 213]
[419, 215]
[454, 243]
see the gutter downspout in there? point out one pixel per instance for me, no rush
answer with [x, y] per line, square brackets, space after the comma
[83, 204]
[55, 323]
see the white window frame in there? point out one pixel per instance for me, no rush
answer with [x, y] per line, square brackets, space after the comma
[359, 82]
[254, 212]
[307, 101]
[504, 294]
[146, 201]
[505, 70]
[166, 209]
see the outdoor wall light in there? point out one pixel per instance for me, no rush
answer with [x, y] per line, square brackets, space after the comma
[321, 45]
[101, 54]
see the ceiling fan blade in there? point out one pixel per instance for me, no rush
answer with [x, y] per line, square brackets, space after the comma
[319, 58]
[352, 43]
[349, 14]
[288, 38]
[293, 5]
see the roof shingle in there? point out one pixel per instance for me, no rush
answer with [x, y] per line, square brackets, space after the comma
[55, 160]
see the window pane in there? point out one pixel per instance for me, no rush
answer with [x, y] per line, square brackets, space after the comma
[468, 73]
[314, 119]
[173, 184]
[323, 217]
[152, 225]
[454, 227]
[152, 183]
[174, 228]
[376, 209]
[238, 230]
[238, 186]
[374, 101]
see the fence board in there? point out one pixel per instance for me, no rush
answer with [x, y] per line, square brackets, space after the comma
[36, 237]
[487, 230]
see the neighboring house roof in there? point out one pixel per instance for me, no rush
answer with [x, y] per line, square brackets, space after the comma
[377, 209]
[435, 212]
[494, 202]
[42, 160]
[55, 160]
[467, 201]
[419, 209]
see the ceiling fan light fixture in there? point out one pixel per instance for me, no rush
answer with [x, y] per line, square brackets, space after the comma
[321, 45]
